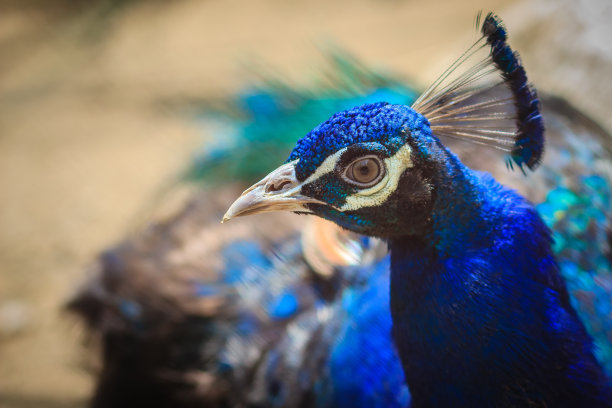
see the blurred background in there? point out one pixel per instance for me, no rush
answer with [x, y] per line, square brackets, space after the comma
[100, 106]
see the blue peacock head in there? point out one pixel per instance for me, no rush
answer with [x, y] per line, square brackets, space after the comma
[369, 169]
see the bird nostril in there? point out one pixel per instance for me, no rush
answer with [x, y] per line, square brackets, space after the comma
[277, 186]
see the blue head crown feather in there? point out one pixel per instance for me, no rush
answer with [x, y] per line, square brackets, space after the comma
[383, 123]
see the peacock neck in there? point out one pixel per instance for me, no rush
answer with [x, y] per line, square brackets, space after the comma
[465, 209]
[433, 289]
[477, 297]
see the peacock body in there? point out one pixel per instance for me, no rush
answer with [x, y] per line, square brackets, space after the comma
[303, 316]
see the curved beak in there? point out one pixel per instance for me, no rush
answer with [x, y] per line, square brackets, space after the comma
[278, 191]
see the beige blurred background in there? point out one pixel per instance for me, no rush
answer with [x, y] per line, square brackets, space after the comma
[93, 123]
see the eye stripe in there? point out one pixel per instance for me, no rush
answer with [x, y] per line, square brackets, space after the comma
[377, 194]
[328, 165]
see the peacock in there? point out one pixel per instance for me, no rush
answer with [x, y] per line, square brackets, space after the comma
[468, 306]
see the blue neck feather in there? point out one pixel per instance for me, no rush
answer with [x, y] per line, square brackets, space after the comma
[481, 316]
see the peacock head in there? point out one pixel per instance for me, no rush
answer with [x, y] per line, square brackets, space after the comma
[369, 169]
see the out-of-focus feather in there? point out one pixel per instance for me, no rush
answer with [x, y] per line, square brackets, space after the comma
[259, 126]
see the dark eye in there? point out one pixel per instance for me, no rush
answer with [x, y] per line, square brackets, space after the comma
[365, 171]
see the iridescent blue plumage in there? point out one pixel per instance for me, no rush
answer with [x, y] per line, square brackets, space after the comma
[578, 209]
[362, 124]
[484, 319]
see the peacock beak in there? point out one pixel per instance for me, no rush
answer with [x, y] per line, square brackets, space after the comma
[278, 191]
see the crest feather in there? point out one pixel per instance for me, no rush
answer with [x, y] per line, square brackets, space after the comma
[484, 97]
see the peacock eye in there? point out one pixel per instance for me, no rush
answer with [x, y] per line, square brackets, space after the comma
[365, 171]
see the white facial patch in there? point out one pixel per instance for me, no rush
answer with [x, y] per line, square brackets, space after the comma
[328, 165]
[380, 192]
